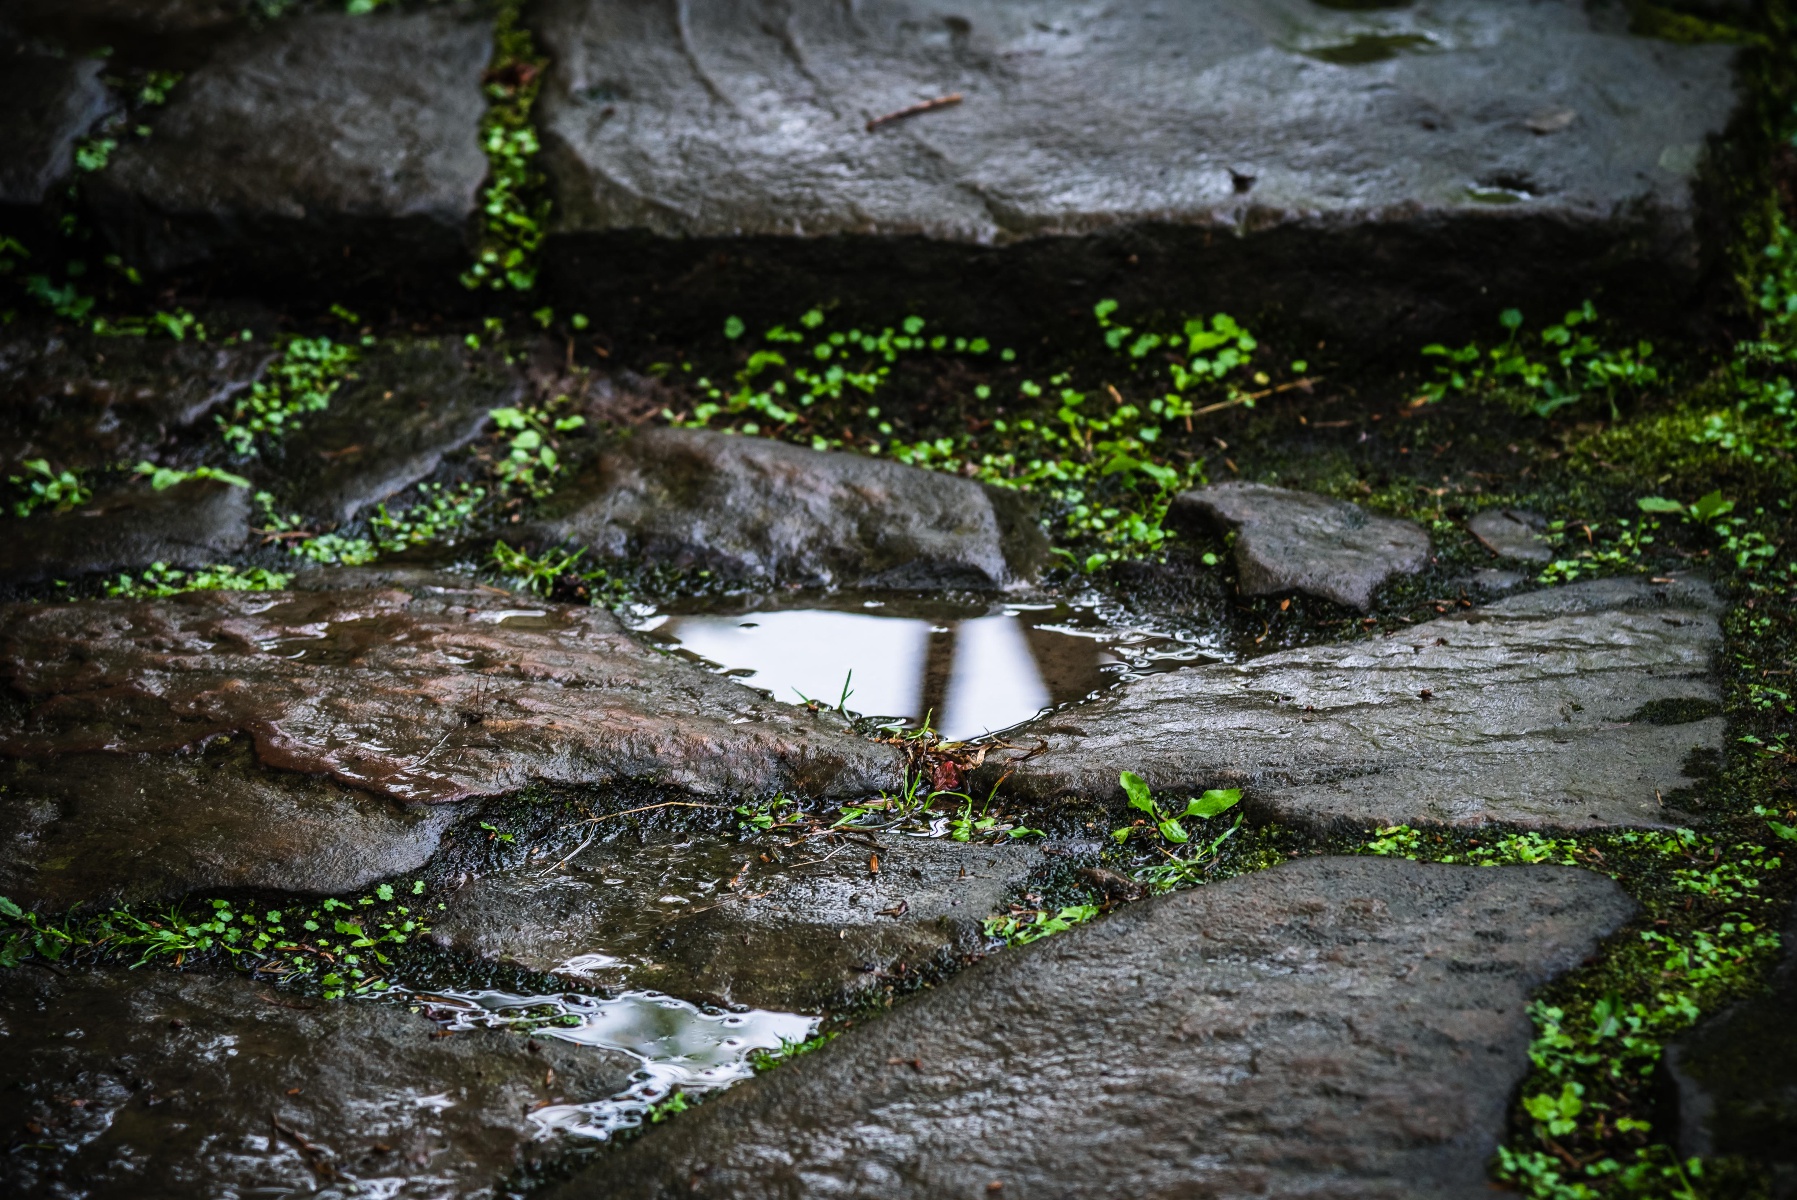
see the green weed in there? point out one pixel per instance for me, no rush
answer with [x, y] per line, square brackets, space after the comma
[46, 487]
[301, 381]
[513, 206]
[160, 579]
[1021, 927]
[1547, 371]
[538, 573]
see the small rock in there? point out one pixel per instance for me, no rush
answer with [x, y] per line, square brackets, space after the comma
[1512, 533]
[191, 524]
[208, 1085]
[709, 919]
[1491, 579]
[1296, 541]
[417, 699]
[46, 105]
[412, 403]
[316, 133]
[1332, 1027]
[1574, 707]
[756, 509]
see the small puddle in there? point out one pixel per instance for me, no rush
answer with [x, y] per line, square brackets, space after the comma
[681, 1047]
[973, 669]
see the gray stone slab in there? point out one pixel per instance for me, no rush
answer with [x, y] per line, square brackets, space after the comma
[1576, 707]
[411, 404]
[421, 700]
[757, 509]
[1334, 1027]
[1373, 168]
[716, 919]
[314, 134]
[191, 524]
[1512, 533]
[1290, 541]
[152, 1083]
[46, 105]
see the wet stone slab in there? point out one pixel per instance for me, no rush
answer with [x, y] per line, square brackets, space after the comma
[805, 927]
[410, 404]
[1369, 167]
[756, 509]
[1332, 1027]
[46, 104]
[157, 1084]
[85, 829]
[1290, 541]
[191, 524]
[1578, 707]
[430, 700]
[1512, 533]
[316, 133]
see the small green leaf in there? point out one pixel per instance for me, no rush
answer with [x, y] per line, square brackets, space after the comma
[1787, 832]
[1136, 788]
[1173, 831]
[1213, 802]
[733, 327]
[1659, 504]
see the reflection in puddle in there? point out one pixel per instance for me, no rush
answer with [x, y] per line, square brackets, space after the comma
[972, 670]
[681, 1047]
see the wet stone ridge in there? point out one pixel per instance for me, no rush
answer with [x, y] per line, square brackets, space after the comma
[153, 1083]
[806, 930]
[756, 509]
[319, 132]
[1573, 708]
[1339, 1027]
[420, 700]
[1296, 541]
[1373, 167]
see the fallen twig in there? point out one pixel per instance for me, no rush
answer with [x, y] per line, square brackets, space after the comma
[948, 101]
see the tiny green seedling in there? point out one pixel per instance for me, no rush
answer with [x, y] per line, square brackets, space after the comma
[1166, 823]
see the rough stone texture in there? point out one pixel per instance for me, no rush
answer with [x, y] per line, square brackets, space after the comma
[1572, 708]
[1512, 533]
[1297, 541]
[188, 525]
[127, 829]
[154, 1085]
[86, 402]
[1736, 1079]
[709, 918]
[46, 104]
[420, 700]
[1368, 168]
[159, 33]
[314, 134]
[411, 404]
[757, 509]
[1334, 1027]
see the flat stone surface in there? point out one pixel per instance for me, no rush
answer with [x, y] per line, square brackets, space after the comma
[1364, 166]
[1333, 1027]
[132, 829]
[419, 700]
[315, 133]
[412, 403]
[710, 919]
[1512, 533]
[756, 509]
[191, 524]
[1736, 1079]
[177, 1082]
[1572, 708]
[46, 105]
[86, 402]
[1290, 541]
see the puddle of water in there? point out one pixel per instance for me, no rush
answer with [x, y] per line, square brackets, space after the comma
[1364, 48]
[680, 1046]
[975, 670]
